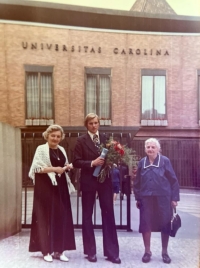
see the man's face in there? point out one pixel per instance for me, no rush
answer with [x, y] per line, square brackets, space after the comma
[93, 125]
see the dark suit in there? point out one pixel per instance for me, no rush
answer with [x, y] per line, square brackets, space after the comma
[85, 151]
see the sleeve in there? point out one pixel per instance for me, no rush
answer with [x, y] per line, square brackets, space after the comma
[80, 157]
[137, 182]
[171, 176]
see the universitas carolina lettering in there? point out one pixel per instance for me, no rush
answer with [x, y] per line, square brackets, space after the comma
[94, 50]
[57, 47]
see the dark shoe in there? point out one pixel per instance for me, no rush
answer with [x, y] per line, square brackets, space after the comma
[92, 258]
[114, 260]
[146, 257]
[166, 258]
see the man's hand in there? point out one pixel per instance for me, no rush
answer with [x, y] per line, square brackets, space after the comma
[98, 161]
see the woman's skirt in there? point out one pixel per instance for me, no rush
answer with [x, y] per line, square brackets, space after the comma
[155, 214]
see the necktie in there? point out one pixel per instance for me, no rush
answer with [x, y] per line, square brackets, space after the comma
[96, 142]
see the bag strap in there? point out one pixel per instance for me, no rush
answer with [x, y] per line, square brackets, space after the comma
[174, 210]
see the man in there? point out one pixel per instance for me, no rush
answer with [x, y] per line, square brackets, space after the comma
[87, 157]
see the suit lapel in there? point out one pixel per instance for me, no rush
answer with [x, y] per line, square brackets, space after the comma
[102, 138]
[90, 144]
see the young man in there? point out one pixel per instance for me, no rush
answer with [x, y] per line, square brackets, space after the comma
[87, 157]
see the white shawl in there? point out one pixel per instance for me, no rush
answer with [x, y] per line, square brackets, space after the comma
[42, 159]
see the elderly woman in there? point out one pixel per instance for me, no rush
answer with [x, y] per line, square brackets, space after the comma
[52, 227]
[156, 190]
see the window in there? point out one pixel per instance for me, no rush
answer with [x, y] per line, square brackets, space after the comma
[39, 92]
[153, 97]
[198, 74]
[98, 93]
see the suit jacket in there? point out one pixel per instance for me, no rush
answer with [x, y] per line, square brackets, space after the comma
[84, 153]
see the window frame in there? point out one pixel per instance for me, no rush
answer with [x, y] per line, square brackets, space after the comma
[99, 72]
[154, 121]
[37, 69]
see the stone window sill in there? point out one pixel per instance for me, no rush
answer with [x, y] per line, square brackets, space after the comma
[105, 122]
[39, 122]
[156, 123]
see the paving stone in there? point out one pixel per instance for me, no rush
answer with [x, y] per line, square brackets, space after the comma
[184, 249]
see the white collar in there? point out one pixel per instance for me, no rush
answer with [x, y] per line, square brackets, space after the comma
[92, 134]
[152, 165]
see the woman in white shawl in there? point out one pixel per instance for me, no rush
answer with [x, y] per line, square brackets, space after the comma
[52, 226]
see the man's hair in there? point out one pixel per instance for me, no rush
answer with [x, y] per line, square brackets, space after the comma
[89, 117]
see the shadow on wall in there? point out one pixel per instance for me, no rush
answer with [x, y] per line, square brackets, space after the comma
[11, 180]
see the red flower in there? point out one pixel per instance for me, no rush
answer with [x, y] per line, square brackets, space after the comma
[119, 148]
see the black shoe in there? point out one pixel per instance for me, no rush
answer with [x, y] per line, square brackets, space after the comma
[166, 258]
[114, 260]
[146, 257]
[92, 258]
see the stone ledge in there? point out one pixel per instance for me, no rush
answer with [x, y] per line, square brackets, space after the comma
[157, 123]
[39, 122]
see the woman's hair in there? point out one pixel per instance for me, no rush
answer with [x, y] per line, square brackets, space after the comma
[89, 117]
[51, 129]
[157, 143]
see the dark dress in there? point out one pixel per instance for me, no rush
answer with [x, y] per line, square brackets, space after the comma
[52, 226]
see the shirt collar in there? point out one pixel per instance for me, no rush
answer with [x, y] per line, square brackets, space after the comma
[92, 134]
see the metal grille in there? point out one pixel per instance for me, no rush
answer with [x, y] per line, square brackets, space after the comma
[30, 141]
[184, 156]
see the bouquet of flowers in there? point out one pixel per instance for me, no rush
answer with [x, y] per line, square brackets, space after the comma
[117, 154]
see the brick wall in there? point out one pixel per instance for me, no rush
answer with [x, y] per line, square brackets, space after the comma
[181, 71]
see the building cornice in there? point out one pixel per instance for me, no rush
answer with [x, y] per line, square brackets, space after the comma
[76, 16]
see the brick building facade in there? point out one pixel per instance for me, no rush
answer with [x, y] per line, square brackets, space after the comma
[70, 51]
[149, 65]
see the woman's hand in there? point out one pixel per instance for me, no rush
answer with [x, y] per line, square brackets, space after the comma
[174, 204]
[68, 167]
[59, 170]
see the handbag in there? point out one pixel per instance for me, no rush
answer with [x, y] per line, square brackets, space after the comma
[69, 184]
[175, 223]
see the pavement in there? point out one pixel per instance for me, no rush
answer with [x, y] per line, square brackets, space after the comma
[184, 249]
